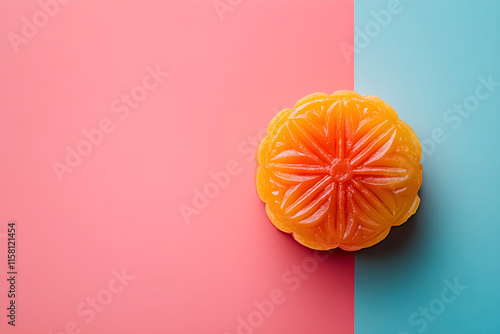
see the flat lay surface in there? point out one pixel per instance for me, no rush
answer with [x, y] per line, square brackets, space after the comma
[128, 133]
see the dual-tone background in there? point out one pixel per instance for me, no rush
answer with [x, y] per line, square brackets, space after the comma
[127, 134]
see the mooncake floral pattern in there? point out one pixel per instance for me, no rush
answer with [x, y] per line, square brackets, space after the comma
[339, 171]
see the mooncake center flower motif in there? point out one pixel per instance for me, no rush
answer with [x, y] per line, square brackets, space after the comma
[339, 171]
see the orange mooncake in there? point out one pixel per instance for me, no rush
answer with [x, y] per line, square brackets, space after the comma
[339, 171]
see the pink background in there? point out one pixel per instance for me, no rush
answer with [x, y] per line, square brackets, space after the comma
[119, 208]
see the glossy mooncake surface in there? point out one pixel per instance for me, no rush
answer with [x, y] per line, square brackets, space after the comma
[339, 171]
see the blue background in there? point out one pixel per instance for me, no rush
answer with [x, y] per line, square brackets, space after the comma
[426, 59]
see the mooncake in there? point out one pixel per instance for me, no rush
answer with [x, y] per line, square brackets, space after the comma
[339, 171]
